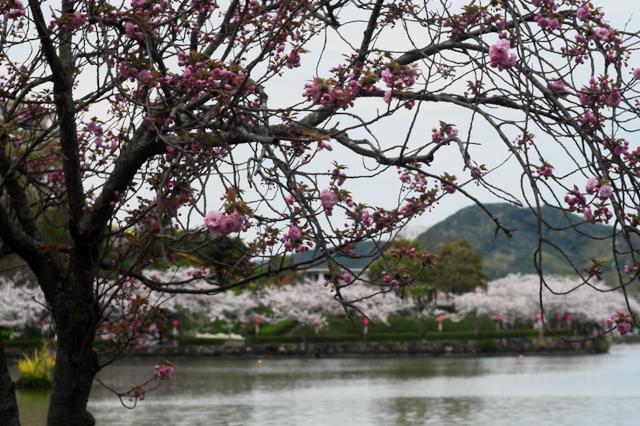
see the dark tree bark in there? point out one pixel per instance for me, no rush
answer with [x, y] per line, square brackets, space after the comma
[8, 404]
[75, 312]
[71, 388]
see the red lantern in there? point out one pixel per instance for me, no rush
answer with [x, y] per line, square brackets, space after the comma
[440, 320]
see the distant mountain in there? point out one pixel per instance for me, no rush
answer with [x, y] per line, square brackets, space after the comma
[504, 255]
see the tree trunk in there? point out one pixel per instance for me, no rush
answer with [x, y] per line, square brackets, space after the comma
[476, 323]
[76, 317]
[71, 388]
[8, 404]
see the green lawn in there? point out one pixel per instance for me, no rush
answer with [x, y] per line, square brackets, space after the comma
[340, 329]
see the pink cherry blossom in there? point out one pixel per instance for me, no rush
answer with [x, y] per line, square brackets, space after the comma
[500, 55]
[548, 24]
[636, 73]
[621, 322]
[448, 188]
[164, 371]
[387, 77]
[365, 218]
[445, 132]
[14, 9]
[329, 199]
[613, 100]
[558, 86]
[605, 192]
[602, 33]
[293, 59]
[592, 185]
[624, 328]
[589, 118]
[546, 171]
[338, 177]
[77, 20]
[292, 240]
[294, 232]
[387, 96]
[326, 92]
[583, 13]
[223, 223]
[132, 30]
[574, 198]
[588, 214]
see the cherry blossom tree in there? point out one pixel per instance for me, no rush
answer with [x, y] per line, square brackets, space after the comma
[517, 298]
[230, 307]
[20, 306]
[148, 123]
[309, 303]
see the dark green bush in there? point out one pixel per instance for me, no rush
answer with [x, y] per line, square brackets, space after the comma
[190, 341]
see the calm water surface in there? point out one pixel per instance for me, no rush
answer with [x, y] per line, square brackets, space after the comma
[532, 390]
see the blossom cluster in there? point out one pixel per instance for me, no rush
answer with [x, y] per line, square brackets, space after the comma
[328, 199]
[545, 170]
[225, 223]
[599, 93]
[164, 370]
[290, 60]
[620, 322]
[12, 9]
[597, 186]
[596, 211]
[471, 16]
[445, 133]
[293, 240]
[500, 55]
[328, 92]
[398, 77]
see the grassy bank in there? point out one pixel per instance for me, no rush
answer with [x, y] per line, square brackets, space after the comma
[340, 329]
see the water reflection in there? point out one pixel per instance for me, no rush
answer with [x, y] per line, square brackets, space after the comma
[553, 390]
[417, 411]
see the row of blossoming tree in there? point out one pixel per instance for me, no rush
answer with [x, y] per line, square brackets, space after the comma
[137, 121]
[514, 299]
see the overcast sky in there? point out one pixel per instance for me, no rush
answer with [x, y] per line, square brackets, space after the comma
[383, 190]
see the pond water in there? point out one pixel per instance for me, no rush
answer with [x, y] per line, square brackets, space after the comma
[529, 390]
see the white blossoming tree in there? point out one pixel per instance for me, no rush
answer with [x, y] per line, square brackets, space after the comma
[517, 298]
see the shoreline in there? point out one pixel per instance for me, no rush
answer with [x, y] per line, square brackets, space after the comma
[545, 345]
[445, 348]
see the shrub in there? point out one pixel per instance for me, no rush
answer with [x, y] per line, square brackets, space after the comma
[189, 341]
[601, 345]
[22, 343]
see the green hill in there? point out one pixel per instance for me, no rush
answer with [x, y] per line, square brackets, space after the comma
[503, 255]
